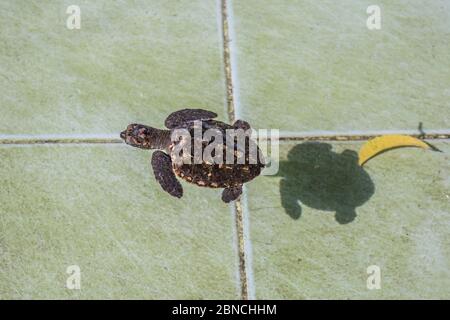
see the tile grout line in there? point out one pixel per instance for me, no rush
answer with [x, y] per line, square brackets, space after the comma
[58, 141]
[284, 135]
[243, 202]
[360, 135]
[227, 62]
[59, 138]
[31, 141]
[350, 138]
[231, 109]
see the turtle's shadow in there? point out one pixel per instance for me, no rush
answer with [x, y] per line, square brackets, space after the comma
[319, 178]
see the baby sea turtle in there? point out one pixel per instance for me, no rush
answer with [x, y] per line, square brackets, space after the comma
[212, 174]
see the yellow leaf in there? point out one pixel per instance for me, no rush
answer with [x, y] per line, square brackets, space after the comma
[380, 144]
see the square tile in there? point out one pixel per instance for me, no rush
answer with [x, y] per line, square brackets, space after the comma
[319, 224]
[131, 61]
[315, 66]
[100, 208]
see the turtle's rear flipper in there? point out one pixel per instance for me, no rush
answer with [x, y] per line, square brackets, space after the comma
[177, 118]
[162, 167]
[241, 124]
[230, 194]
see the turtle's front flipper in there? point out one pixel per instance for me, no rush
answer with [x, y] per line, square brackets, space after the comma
[162, 167]
[179, 117]
[232, 193]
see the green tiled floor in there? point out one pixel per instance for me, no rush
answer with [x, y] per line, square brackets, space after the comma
[314, 65]
[100, 208]
[301, 66]
[302, 249]
[130, 61]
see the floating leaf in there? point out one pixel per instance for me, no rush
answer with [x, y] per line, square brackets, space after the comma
[380, 144]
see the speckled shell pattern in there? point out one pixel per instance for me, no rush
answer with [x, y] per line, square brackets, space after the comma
[216, 175]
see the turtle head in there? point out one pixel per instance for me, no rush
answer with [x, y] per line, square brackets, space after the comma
[145, 137]
[137, 135]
